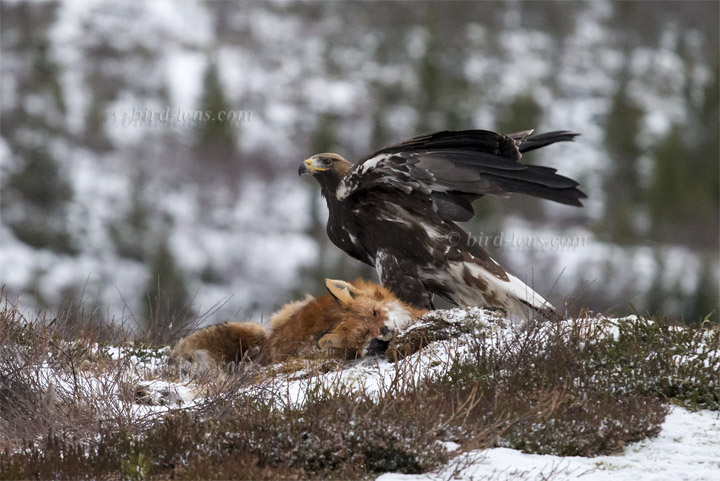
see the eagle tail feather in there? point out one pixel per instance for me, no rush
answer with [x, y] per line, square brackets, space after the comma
[524, 297]
[482, 287]
[564, 191]
[541, 140]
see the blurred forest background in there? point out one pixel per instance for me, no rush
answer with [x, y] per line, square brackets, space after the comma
[132, 218]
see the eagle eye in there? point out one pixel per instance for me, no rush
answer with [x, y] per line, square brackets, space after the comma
[326, 160]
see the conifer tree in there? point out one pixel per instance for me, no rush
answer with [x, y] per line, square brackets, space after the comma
[522, 113]
[215, 134]
[166, 300]
[36, 187]
[622, 186]
[667, 195]
[130, 232]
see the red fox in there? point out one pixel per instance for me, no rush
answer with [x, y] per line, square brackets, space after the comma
[341, 324]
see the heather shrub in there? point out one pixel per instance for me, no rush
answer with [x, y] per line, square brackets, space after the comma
[71, 403]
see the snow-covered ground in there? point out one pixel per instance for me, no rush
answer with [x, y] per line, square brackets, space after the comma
[687, 448]
[247, 254]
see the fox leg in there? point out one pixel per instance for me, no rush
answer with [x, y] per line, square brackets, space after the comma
[332, 340]
[342, 342]
[366, 344]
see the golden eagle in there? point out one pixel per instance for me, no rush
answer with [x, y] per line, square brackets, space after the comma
[396, 210]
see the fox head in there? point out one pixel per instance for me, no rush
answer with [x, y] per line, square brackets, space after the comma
[367, 311]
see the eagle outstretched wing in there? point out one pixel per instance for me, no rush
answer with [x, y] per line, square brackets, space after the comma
[455, 168]
[396, 210]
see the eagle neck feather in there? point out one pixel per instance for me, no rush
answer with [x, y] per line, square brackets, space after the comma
[328, 187]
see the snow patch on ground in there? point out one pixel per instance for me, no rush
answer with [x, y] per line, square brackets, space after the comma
[687, 448]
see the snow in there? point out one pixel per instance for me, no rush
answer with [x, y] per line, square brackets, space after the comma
[597, 265]
[258, 245]
[259, 250]
[370, 376]
[170, 393]
[687, 448]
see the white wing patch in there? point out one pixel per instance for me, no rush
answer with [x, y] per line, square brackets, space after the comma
[343, 190]
[370, 164]
[379, 259]
[350, 182]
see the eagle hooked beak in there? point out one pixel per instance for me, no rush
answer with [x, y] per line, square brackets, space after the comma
[310, 165]
[303, 168]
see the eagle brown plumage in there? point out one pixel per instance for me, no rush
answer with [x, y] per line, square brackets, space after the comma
[396, 210]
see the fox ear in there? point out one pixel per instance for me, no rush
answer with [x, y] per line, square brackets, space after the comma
[341, 290]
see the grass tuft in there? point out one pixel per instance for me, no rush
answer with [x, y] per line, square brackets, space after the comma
[73, 405]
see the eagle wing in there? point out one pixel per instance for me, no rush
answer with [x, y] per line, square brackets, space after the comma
[455, 168]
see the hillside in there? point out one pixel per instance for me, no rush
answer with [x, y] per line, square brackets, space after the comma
[107, 197]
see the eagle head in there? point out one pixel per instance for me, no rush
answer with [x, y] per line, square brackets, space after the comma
[325, 165]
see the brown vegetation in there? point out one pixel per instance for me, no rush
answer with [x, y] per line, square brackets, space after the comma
[567, 388]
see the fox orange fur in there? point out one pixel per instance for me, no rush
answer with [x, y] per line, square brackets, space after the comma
[341, 324]
[225, 343]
